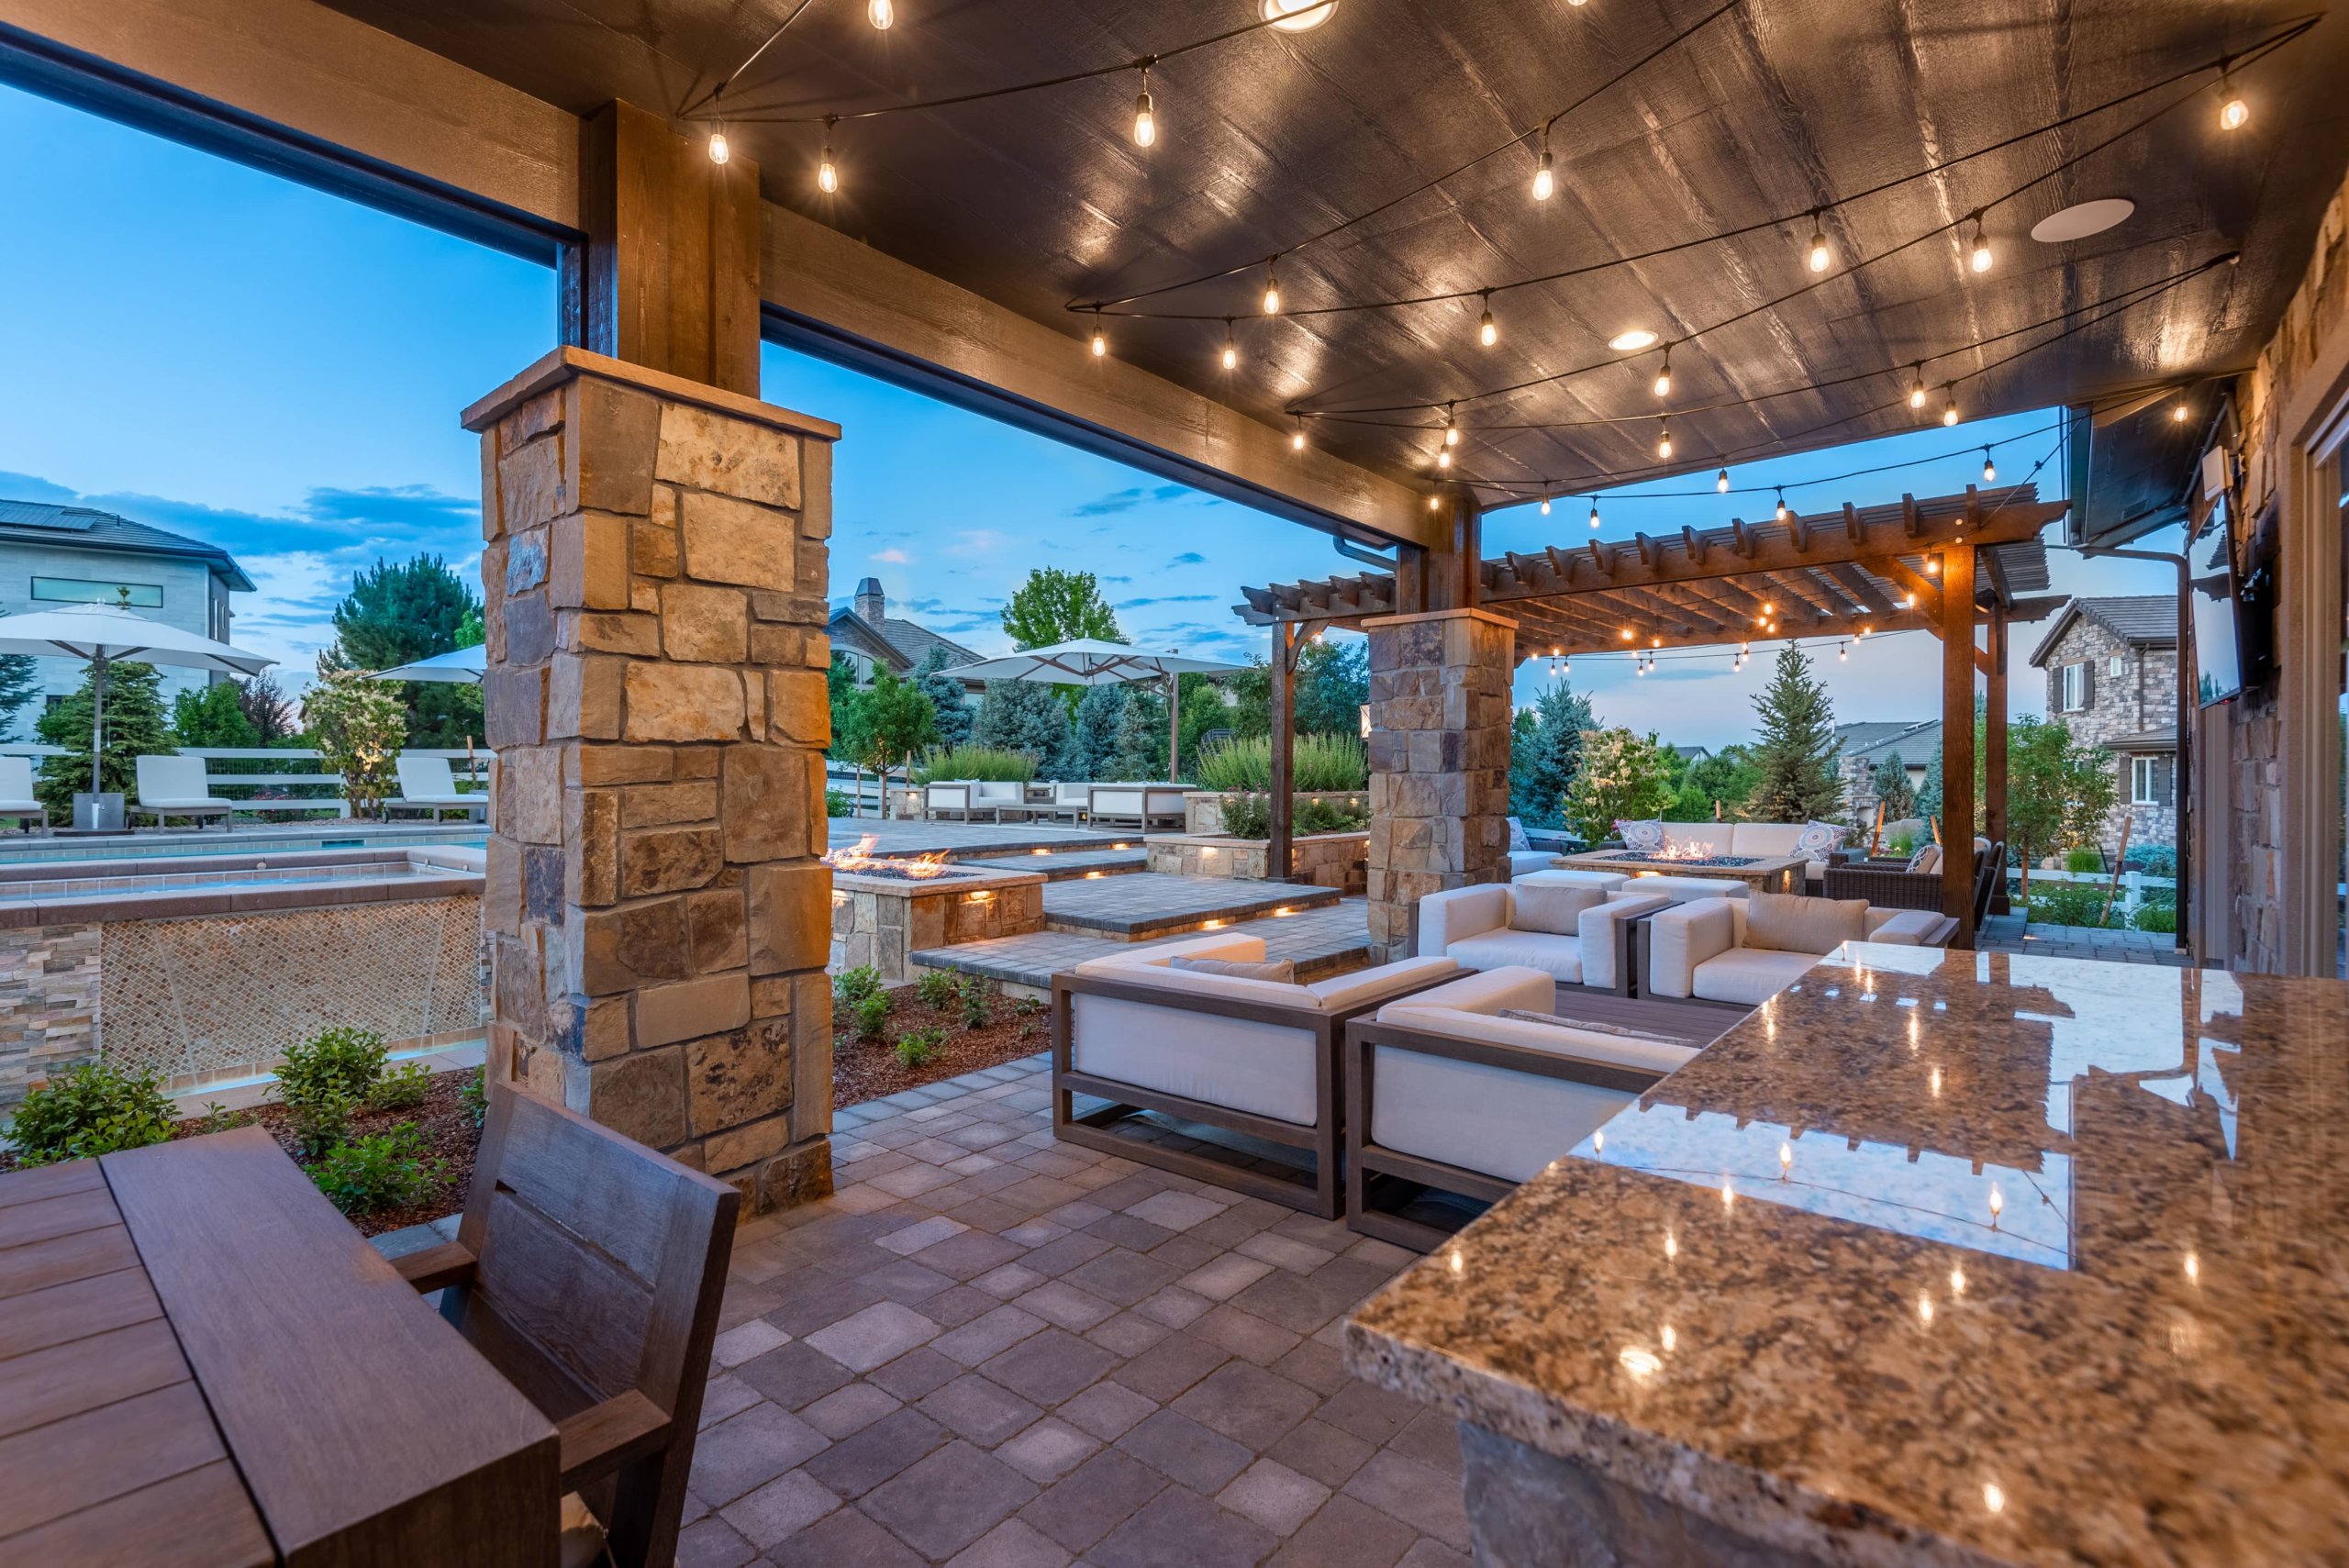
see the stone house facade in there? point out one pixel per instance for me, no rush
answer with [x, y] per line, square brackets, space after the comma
[2111, 667]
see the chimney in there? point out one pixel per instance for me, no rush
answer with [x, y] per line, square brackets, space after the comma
[871, 604]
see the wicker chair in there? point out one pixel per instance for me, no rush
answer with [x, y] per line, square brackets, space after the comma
[1888, 886]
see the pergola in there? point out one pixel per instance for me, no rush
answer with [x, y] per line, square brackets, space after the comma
[1955, 566]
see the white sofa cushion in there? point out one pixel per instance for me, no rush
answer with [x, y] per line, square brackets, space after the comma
[1493, 1120]
[1522, 861]
[1766, 838]
[1486, 991]
[1457, 912]
[1558, 957]
[1688, 887]
[1548, 906]
[1244, 1065]
[1751, 975]
[1562, 876]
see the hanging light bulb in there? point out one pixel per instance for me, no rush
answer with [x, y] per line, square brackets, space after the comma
[1594, 511]
[1664, 376]
[1917, 387]
[1664, 442]
[1545, 180]
[2232, 111]
[882, 14]
[827, 174]
[1842, 652]
[1782, 505]
[1545, 505]
[1989, 469]
[1820, 255]
[1451, 431]
[1230, 347]
[1565, 666]
[1434, 502]
[1721, 481]
[1982, 257]
[1273, 286]
[1949, 409]
[2178, 413]
[719, 150]
[1145, 120]
[1100, 338]
[1296, 436]
[1443, 456]
[1486, 333]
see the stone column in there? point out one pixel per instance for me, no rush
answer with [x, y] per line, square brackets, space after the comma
[1439, 762]
[658, 917]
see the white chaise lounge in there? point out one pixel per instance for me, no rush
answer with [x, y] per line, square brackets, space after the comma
[427, 785]
[16, 797]
[1443, 1092]
[175, 786]
[1570, 930]
[1252, 1056]
[1745, 950]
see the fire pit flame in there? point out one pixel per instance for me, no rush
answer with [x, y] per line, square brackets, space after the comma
[861, 859]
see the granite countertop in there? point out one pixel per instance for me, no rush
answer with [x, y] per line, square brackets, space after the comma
[1941, 1256]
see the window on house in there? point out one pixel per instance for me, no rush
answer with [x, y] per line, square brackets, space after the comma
[80, 591]
[2152, 781]
[2072, 688]
[2119, 662]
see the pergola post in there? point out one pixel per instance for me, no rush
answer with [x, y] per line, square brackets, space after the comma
[1957, 740]
[1994, 751]
[1277, 852]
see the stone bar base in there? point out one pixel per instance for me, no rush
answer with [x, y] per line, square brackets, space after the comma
[659, 919]
[1531, 1509]
[1439, 763]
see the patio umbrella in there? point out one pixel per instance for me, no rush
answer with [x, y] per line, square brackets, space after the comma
[459, 665]
[1089, 662]
[102, 635]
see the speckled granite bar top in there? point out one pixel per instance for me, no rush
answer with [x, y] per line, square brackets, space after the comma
[1945, 1258]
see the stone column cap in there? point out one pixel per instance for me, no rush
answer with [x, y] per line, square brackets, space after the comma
[567, 363]
[1475, 612]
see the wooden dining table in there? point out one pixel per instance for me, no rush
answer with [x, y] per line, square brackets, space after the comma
[203, 1365]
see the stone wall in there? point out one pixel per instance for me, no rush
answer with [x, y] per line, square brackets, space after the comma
[660, 922]
[48, 1005]
[879, 924]
[1440, 711]
[1325, 859]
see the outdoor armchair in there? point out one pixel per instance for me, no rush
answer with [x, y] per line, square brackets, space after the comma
[16, 799]
[1443, 1092]
[966, 798]
[426, 784]
[1141, 803]
[1253, 1057]
[1899, 887]
[1571, 931]
[175, 786]
[1699, 950]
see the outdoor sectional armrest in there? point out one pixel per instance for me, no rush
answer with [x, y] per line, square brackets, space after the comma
[1680, 938]
[437, 1267]
[1458, 913]
[1910, 927]
[1600, 927]
[1361, 989]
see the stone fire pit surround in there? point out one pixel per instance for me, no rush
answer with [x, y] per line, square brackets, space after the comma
[879, 921]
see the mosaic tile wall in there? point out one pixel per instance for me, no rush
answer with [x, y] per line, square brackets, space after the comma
[49, 989]
[227, 994]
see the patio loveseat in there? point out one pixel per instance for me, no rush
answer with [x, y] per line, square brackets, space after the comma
[1742, 952]
[1255, 1057]
[1569, 925]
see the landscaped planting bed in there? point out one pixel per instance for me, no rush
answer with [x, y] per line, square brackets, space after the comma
[871, 1024]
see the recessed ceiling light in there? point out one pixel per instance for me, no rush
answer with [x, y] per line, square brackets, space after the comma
[2079, 222]
[1636, 339]
[1298, 15]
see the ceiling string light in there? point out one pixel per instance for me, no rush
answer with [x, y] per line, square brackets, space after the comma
[828, 180]
[1949, 409]
[1100, 338]
[1486, 332]
[1145, 119]
[1451, 430]
[1296, 436]
[1231, 352]
[882, 14]
[1980, 257]
[2232, 111]
[1545, 179]
[719, 151]
[1917, 387]
[1594, 511]
[1721, 481]
[1820, 255]
[1664, 440]
[1664, 376]
[1782, 504]
[1545, 505]
[1989, 469]
[1271, 301]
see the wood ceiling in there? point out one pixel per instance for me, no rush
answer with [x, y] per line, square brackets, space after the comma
[1775, 107]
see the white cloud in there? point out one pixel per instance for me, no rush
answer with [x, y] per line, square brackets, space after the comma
[893, 555]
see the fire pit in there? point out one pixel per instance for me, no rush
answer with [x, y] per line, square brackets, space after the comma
[1762, 874]
[1666, 856]
[885, 909]
[860, 860]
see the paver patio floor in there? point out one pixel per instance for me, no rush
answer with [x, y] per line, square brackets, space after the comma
[994, 1351]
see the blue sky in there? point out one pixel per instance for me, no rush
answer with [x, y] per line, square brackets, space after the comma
[214, 350]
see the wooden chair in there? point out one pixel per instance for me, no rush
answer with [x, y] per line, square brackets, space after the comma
[588, 1270]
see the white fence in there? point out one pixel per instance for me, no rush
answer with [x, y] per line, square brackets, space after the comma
[286, 768]
[2134, 884]
[864, 794]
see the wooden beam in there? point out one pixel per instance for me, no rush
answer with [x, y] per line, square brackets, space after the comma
[1278, 858]
[1957, 740]
[1994, 750]
[1893, 569]
[1855, 583]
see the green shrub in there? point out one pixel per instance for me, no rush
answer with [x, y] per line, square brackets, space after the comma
[1326, 816]
[916, 1046]
[2075, 903]
[1319, 762]
[218, 1118]
[836, 803]
[1241, 764]
[990, 764]
[850, 986]
[871, 1017]
[326, 1080]
[1251, 816]
[938, 988]
[473, 1095]
[2084, 859]
[1900, 844]
[401, 1088]
[978, 1001]
[384, 1171]
[2156, 918]
[1248, 816]
[92, 1109]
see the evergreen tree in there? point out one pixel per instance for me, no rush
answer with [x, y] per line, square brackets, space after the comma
[1795, 752]
[135, 726]
[1888, 782]
[1538, 790]
[1024, 716]
[211, 716]
[1142, 737]
[1054, 605]
[19, 685]
[1094, 741]
[396, 614]
[840, 686]
[949, 704]
[1204, 709]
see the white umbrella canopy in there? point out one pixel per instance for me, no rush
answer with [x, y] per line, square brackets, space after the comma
[100, 635]
[1090, 661]
[459, 665]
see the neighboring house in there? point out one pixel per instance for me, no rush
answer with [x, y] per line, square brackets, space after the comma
[869, 638]
[2112, 676]
[52, 557]
[1863, 748]
[1692, 755]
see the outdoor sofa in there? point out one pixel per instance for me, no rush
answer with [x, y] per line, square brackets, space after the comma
[1742, 952]
[1916, 883]
[16, 797]
[966, 798]
[175, 787]
[1144, 805]
[1764, 838]
[1256, 1057]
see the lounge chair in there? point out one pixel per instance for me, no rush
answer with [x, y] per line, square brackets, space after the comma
[175, 786]
[1916, 883]
[16, 797]
[427, 785]
[1571, 931]
[1072, 799]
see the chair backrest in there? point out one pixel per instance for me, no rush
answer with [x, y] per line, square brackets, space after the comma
[947, 796]
[999, 792]
[426, 777]
[1073, 793]
[1989, 865]
[171, 778]
[600, 1267]
[16, 778]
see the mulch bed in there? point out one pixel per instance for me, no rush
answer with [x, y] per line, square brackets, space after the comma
[870, 1072]
[447, 1127]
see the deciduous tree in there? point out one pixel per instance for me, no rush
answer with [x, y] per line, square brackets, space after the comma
[1617, 775]
[1054, 605]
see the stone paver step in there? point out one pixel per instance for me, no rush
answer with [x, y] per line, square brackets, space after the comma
[1149, 904]
[1066, 865]
[1321, 943]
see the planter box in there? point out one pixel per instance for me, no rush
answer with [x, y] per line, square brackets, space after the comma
[1203, 809]
[1324, 860]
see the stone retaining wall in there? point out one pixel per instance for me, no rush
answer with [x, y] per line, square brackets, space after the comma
[1203, 809]
[1325, 859]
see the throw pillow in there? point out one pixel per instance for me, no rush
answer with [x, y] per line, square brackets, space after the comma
[1647, 836]
[1927, 859]
[1817, 839]
[1516, 839]
[1615, 1032]
[1788, 922]
[1283, 971]
[1551, 907]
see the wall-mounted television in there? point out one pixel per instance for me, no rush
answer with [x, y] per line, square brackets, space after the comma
[2234, 624]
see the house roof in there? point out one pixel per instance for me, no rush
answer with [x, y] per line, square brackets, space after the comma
[85, 528]
[2164, 738]
[901, 644]
[1878, 739]
[2144, 620]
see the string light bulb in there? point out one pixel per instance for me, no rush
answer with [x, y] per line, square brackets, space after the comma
[1145, 119]
[1782, 504]
[1664, 442]
[1820, 255]
[882, 14]
[1594, 511]
[2177, 415]
[1545, 179]
[1842, 652]
[1917, 387]
[1949, 408]
[719, 151]
[1451, 430]
[1296, 436]
[1443, 456]
[1487, 333]
[1273, 286]
[827, 174]
[1981, 257]
[1664, 376]
[2232, 111]
[1721, 481]
[1545, 505]
[1989, 469]
[1230, 347]
[1100, 338]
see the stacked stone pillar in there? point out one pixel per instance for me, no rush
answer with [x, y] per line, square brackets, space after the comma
[657, 912]
[1439, 710]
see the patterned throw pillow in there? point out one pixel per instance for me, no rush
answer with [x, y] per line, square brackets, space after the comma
[1818, 840]
[1646, 837]
[1928, 857]
[1516, 839]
